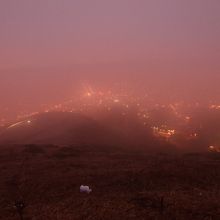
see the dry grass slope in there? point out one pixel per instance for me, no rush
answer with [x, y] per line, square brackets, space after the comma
[126, 185]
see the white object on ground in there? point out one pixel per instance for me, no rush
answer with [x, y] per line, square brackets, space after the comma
[85, 189]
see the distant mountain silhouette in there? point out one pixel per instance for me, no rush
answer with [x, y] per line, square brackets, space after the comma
[64, 128]
[57, 128]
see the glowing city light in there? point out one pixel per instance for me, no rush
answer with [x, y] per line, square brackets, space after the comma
[89, 94]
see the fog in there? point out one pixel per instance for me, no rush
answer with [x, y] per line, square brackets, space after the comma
[117, 98]
[50, 48]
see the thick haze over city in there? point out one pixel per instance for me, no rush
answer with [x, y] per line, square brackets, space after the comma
[49, 48]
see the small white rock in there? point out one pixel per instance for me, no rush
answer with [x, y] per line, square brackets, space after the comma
[85, 189]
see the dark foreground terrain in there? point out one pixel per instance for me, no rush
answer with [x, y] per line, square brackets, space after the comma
[126, 185]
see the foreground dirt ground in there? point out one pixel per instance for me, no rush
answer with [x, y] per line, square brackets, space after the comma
[126, 185]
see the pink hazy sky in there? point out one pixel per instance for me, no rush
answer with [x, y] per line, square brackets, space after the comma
[48, 45]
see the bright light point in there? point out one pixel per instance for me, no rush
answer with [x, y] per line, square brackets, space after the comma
[28, 121]
[116, 101]
[89, 94]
